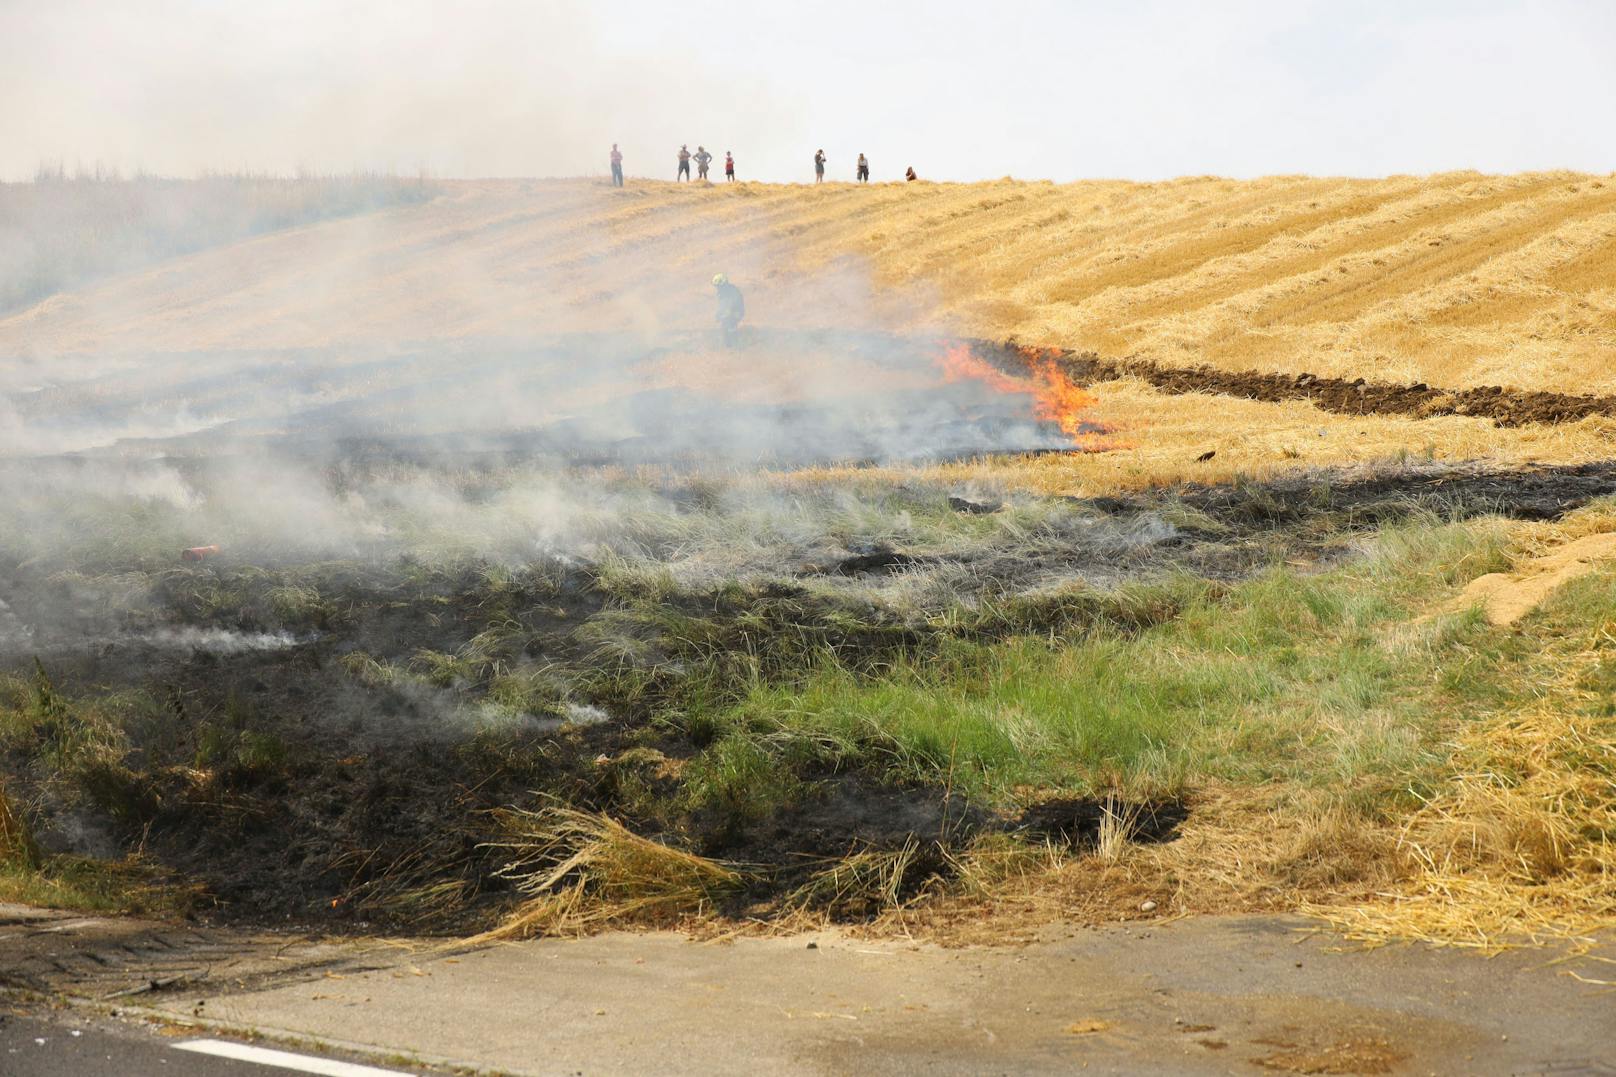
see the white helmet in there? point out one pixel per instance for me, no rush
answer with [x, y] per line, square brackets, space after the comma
[719, 278]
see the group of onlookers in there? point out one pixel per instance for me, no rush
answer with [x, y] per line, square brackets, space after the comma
[704, 160]
[861, 172]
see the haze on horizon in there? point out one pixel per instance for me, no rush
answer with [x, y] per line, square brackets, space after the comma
[961, 91]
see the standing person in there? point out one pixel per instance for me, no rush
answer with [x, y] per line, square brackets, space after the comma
[729, 167]
[617, 167]
[819, 167]
[731, 309]
[703, 159]
[863, 170]
[684, 164]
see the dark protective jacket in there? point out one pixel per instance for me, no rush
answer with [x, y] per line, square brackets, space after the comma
[731, 307]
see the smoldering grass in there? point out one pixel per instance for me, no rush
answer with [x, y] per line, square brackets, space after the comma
[538, 691]
[489, 653]
[441, 669]
[369, 670]
[640, 580]
[297, 603]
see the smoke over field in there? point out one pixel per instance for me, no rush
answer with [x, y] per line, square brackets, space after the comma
[231, 564]
[369, 570]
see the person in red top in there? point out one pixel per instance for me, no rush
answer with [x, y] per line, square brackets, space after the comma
[729, 167]
[617, 167]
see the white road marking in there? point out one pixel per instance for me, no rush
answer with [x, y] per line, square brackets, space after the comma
[264, 1056]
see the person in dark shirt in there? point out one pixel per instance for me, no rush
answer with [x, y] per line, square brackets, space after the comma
[819, 167]
[863, 169]
[910, 174]
[731, 309]
[617, 167]
[684, 164]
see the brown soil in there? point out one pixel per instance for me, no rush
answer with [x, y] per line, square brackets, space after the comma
[1506, 598]
[1504, 406]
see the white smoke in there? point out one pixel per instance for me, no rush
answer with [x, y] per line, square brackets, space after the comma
[217, 640]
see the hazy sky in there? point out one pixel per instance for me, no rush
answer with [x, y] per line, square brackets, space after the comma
[961, 90]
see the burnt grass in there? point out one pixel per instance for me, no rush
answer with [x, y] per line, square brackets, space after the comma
[341, 771]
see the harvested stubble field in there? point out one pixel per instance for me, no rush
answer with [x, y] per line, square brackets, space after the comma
[1456, 280]
[535, 613]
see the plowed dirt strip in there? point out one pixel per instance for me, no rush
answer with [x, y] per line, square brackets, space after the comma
[1505, 406]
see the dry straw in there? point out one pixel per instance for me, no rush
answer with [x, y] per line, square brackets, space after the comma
[17, 845]
[585, 871]
[1517, 846]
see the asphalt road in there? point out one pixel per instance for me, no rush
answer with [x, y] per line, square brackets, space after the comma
[49, 1047]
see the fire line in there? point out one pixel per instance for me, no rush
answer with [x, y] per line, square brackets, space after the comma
[1055, 397]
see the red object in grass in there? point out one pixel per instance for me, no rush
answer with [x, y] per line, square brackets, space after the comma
[197, 553]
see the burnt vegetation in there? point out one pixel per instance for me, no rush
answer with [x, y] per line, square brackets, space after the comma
[345, 742]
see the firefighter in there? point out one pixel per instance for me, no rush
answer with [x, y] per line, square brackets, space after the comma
[731, 309]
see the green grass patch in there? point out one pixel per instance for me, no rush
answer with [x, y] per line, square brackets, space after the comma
[1314, 680]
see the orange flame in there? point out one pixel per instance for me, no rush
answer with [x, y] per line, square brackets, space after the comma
[1055, 397]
